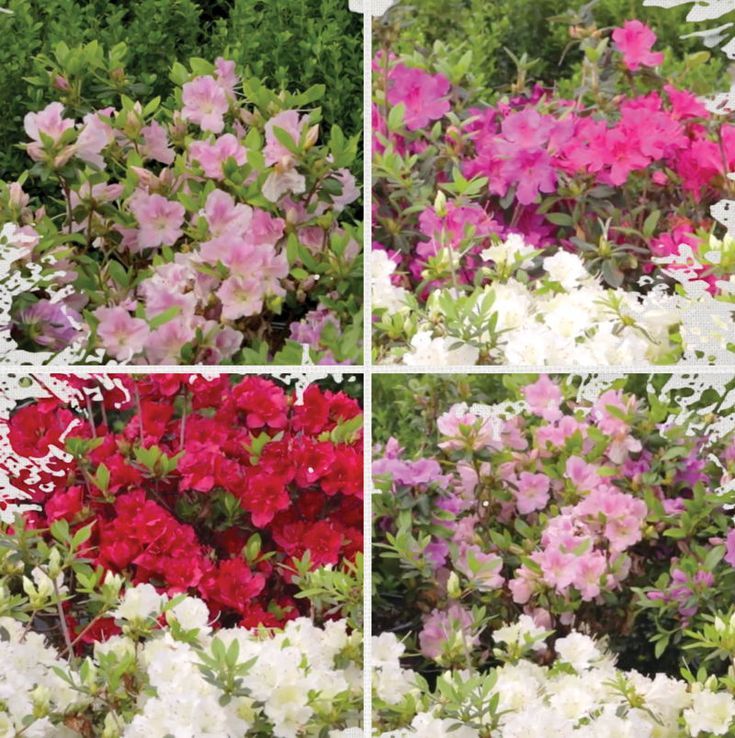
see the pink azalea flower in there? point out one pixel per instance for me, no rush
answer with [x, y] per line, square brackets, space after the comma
[160, 220]
[266, 230]
[240, 297]
[155, 144]
[226, 77]
[685, 104]
[121, 335]
[532, 492]
[544, 398]
[527, 128]
[290, 122]
[464, 429]
[223, 216]
[50, 122]
[424, 95]
[93, 137]
[212, 157]
[350, 191]
[531, 169]
[443, 626]
[279, 184]
[581, 474]
[165, 343]
[558, 568]
[588, 574]
[522, 585]
[205, 103]
[730, 548]
[635, 41]
[621, 154]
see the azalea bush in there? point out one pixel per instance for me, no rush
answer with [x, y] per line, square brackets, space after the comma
[548, 225]
[169, 668]
[604, 509]
[230, 489]
[211, 231]
[102, 48]
[572, 688]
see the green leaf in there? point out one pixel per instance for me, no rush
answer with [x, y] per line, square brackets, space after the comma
[396, 117]
[164, 317]
[649, 225]
[560, 219]
[284, 138]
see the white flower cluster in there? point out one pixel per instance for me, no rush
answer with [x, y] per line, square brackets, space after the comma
[581, 695]
[566, 316]
[296, 677]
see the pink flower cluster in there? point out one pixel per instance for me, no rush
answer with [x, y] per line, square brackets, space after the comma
[547, 159]
[582, 547]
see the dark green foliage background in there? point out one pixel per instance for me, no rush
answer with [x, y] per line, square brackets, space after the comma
[290, 44]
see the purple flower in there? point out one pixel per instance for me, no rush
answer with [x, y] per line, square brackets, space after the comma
[51, 324]
[447, 628]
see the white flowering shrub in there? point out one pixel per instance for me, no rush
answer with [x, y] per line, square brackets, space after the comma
[189, 680]
[561, 316]
[85, 653]
[540, 691]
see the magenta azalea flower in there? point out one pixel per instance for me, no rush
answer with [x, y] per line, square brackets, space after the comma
[635, 41]
[423, 95]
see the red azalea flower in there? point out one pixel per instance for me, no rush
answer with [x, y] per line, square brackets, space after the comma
[323, 541]
[263, 402]
[231, 585]
[64, 503]
[264, 497]
[35, 428]
[209, 391]
[312, 416]
[313, 460]
[153, 419]
[301, 493]
[345, 476]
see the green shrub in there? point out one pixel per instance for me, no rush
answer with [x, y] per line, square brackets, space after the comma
[298, 43]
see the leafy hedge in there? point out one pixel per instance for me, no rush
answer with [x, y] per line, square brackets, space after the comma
[290, 44]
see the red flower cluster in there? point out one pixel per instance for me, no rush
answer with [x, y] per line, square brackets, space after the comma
[211, 486]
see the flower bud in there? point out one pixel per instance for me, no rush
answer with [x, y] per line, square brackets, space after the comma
[454, 590]
[312, 136]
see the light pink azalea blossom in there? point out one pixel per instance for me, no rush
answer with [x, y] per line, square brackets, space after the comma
[532, 492]
[240, 297]
[290, 122]
[279, 184]
[223, 216]
[160, 220]
[212, 156]
[121, 335]
[155, 144]
[226, 77]
[205, 103]
[50, 122]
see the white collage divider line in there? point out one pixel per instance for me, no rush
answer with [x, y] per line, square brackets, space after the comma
[367, 397]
